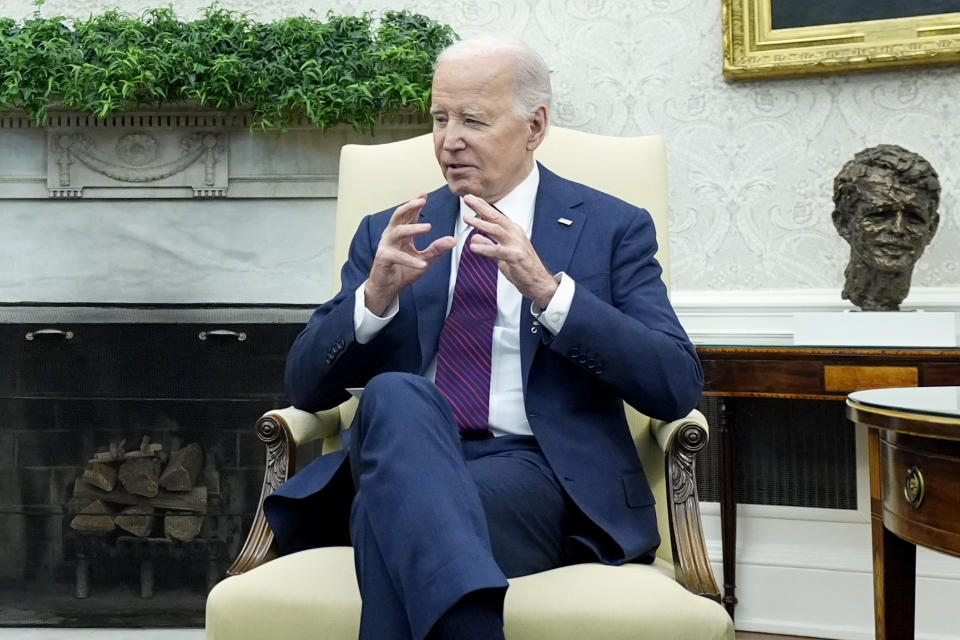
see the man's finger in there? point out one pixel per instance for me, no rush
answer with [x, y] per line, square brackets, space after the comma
[438, 247]
[484, 209]
[407, 231]
[498, 232]
[478, 240]
[408, 211]
[403, 259]
[492, 251]
[485, 247]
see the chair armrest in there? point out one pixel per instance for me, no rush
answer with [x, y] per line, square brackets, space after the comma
[281, 430]
[680, 441]
[666, 432]
[304, 426]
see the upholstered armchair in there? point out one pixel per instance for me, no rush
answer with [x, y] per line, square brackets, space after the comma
[313, 594]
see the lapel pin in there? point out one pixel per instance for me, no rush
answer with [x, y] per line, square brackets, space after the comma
[565, 221]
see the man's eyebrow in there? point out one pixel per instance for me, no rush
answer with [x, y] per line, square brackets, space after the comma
[435, 110]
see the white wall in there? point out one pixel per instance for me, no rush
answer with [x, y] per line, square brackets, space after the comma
[751, 164]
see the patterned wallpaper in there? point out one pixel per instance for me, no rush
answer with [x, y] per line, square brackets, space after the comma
[751, 165]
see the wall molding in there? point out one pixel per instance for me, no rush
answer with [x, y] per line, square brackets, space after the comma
[765, 316]
[789, 566]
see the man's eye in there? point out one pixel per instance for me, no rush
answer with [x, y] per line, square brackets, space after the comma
[472, 121]
[915, 218]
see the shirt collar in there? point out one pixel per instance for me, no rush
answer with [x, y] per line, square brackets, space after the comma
[518, 205]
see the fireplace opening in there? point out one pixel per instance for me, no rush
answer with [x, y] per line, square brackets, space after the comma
[129, 465]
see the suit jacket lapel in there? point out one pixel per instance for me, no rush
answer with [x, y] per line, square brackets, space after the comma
[431, 290]
[554, 242]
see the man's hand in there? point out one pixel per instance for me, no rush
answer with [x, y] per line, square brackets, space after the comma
[398, 263]
[506, 242]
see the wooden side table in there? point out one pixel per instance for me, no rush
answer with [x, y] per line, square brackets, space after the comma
[818, 373]
[914, 437]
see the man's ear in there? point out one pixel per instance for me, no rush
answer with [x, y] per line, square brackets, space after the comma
[537, 128]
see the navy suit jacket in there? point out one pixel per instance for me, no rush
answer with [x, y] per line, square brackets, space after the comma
[621, 341]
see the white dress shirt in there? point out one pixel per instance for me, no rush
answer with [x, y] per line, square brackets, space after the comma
[507, 413]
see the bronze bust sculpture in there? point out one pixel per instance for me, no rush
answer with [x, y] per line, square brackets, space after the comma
[885, 206]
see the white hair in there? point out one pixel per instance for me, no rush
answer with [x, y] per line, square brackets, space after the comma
[531, 81]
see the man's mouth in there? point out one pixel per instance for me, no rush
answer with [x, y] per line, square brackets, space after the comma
[894, 246]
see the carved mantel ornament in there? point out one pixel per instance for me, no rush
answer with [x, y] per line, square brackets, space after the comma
[136, 152]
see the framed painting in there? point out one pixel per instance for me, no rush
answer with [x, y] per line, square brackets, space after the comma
[774, 38]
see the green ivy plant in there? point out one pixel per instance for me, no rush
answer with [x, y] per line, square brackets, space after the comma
[345, 69]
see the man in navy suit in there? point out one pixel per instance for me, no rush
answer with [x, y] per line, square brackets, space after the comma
[441, 512]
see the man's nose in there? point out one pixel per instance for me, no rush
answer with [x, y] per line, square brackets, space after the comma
[897, 225]
[453, 137]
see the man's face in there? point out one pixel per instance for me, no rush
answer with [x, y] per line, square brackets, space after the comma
[891, 224]
[483, 145]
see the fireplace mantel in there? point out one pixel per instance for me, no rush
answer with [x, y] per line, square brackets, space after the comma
[170, 207]
[177, 153]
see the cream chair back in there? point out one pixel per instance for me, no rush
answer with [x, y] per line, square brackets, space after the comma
[376, 177]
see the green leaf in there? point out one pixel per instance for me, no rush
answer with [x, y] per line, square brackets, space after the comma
[344, 69]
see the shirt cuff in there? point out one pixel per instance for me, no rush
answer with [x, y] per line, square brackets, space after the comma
[553, 317]
[366, 325]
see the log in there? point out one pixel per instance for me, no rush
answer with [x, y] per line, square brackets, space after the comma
[148, 450]
[182, 527]
[116, 452]
[136, 520]
[194, 500]
[183, 469]
[140, 476]
[96, 517]
[100, 475]
[211, 478]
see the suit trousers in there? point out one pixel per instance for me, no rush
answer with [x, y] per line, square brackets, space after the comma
[435, 518]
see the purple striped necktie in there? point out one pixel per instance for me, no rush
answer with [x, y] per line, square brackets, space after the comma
[463, 355]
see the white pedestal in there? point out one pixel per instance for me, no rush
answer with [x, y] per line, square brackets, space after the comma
[877, 329]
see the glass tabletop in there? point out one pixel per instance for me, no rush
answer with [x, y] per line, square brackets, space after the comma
[940, 401]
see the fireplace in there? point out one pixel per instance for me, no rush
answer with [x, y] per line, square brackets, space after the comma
[71, 389]
[156, 267]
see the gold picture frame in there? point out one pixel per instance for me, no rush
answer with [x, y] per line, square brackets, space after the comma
[753, 49]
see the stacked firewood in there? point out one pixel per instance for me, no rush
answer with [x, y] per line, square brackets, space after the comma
[134, 490]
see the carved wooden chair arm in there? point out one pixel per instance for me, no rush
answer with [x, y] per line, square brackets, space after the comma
[281, 430]
[681, 440]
